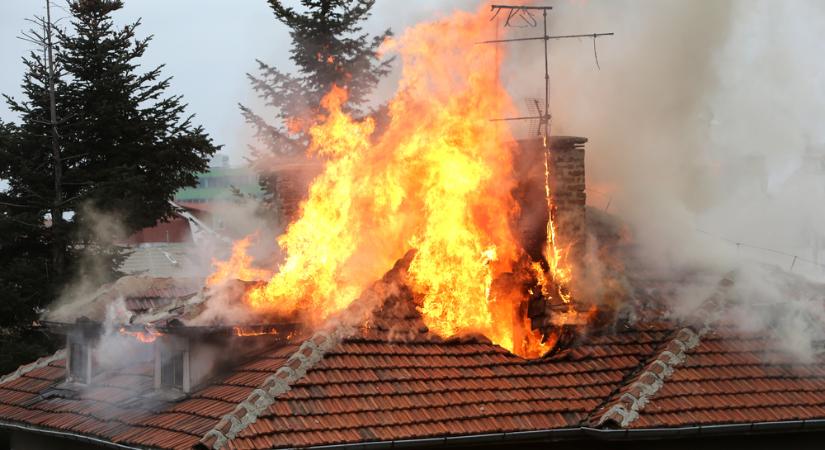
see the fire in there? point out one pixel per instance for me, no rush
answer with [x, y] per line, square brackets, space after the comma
[240, 331]
[147, 336]
[239, 265]
[534, 347]
[556, 257]
[438, 179]
[573, 317]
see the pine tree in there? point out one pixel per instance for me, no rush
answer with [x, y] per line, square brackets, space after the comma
[135, 147]
[32, 252]
[117, 146]
[328, 47]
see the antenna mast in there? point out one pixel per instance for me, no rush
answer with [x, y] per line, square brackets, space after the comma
[526, 15]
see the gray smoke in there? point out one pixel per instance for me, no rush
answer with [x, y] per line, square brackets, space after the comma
[704, 133]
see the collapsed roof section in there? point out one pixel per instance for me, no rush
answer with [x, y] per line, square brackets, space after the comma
[140, 295]
[180, 306]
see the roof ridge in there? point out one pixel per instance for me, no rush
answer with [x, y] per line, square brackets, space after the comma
[245, 413]
[636, 392]
[635, 395]
[26, 368]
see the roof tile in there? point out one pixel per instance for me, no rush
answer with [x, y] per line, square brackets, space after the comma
[367, 388]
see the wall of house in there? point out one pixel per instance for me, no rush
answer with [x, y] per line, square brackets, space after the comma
[203, 360]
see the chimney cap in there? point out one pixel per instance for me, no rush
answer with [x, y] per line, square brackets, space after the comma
[566, 141]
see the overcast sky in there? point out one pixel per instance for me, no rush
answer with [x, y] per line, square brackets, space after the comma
[207, 46]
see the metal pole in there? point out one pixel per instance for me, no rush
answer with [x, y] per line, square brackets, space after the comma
[57, 207]
[546, 84]
[542, 38]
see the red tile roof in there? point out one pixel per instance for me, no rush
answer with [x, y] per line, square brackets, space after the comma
[119, 407]
[368, 389]
[731, 377]
[371, 387]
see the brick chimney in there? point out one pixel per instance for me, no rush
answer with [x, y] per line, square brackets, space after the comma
[291, 179]
[565, 161]
[565, 165]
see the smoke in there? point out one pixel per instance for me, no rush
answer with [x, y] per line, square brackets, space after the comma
[704, 133]
[237, 219]
[97, 261]
[116, 350]
[223, 305]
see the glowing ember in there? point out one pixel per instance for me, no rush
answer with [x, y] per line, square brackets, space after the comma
[147, 337]
[438, 179]
[240, 331]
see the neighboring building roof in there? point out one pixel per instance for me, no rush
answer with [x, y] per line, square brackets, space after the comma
[159, 260]
[373, 387]
[139, 293]
[176, 230]
[216, 184]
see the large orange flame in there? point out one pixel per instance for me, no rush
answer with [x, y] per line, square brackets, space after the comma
[437, 179]
[239, 266]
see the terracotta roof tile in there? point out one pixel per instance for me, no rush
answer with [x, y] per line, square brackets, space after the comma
[367, 388]
[730, 378]
[204, 407]
[114, 406]
[27, 384]
[49, 373]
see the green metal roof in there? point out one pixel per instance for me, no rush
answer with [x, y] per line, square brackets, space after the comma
[241, 178]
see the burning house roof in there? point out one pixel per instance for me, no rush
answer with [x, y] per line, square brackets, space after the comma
[138, 293]
[379, 385]
[487, 329]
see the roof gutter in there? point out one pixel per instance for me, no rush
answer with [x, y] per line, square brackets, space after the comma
[548, 435]
[560, 434]
[65, 435]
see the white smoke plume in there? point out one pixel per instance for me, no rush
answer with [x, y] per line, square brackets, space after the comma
[704, 132]
[116, 350]
[92, 269]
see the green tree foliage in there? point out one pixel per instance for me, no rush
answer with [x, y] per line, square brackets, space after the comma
[124, 148]
[28, 279]
[329, 47]
[135, 148]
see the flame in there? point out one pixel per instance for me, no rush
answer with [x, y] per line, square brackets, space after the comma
[534, 347]
[437, 179]
[560, 271]
[239, 265]
[147, 337]
[240, 331]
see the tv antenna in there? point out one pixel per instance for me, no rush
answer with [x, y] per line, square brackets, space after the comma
[518, 16]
